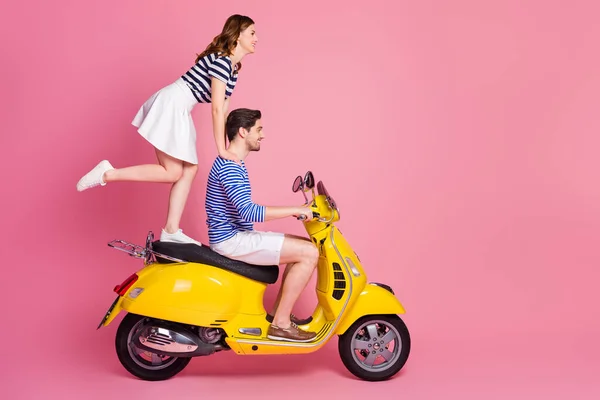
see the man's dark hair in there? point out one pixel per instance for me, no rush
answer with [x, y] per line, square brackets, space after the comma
[240, 118]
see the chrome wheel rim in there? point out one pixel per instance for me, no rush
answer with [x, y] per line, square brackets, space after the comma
[376, 345]
[144, 358]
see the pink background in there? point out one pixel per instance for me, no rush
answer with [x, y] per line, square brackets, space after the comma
[459, 138]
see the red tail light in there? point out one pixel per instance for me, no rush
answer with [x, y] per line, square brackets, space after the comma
[123, 287]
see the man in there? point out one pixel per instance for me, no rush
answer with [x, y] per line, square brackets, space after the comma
[231, 215]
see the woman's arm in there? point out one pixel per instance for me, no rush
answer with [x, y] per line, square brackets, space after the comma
[218, 114]
[225, 108]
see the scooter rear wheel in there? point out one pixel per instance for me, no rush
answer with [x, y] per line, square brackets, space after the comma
[375, 347]
[140, 363]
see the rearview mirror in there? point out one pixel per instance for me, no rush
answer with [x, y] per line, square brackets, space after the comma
[298, 183]
[309, 180]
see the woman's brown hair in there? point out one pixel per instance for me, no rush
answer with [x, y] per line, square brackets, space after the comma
[224, 43]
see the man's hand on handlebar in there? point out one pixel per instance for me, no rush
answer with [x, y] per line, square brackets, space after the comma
[304, 213]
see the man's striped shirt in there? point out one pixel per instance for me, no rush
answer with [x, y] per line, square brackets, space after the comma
[229, 206]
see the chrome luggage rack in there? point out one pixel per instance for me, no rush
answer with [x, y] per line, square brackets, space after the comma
[138, 251]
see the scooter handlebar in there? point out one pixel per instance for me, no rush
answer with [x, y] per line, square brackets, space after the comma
[303, 217]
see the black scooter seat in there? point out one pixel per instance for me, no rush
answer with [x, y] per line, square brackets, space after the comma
[191, 252]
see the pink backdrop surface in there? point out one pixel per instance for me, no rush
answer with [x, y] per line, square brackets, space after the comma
[459, 138]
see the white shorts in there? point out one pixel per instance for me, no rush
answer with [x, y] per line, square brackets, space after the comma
[253, 247]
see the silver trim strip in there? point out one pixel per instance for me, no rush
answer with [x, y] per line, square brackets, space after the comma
[332, 326]
[353, 267]
[251, 331]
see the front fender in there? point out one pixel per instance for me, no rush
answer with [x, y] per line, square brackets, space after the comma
[373, 299]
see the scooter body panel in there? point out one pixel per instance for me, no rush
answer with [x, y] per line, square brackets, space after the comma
[195, 294]
[341, 277]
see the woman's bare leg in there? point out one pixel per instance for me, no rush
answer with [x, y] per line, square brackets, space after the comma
[178, 197]
[169, 170]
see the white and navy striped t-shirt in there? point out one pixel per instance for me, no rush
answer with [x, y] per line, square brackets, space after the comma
[229, 206]
[198, 78]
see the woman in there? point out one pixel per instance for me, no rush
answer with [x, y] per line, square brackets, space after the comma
[165, 121]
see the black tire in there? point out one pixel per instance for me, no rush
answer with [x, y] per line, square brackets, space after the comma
[350, 354]
[135, 363]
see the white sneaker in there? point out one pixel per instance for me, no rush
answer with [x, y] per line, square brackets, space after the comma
[94, 177]
[177, 237]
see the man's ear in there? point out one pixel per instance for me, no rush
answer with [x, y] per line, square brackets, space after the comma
[242, 132]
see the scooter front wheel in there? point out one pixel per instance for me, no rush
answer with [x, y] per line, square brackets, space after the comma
[140, 363]
[375, 347]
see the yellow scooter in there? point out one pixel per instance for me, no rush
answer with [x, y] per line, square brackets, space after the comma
[189, 301]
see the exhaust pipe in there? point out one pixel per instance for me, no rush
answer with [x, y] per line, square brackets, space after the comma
[172, 340]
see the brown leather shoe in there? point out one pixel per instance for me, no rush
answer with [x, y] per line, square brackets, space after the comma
[291, 334]
[299, 321]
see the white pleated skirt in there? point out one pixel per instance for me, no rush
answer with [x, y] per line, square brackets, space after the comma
[165, 121]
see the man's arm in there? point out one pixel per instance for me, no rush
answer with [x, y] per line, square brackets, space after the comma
[276, 212]
[239, 195]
